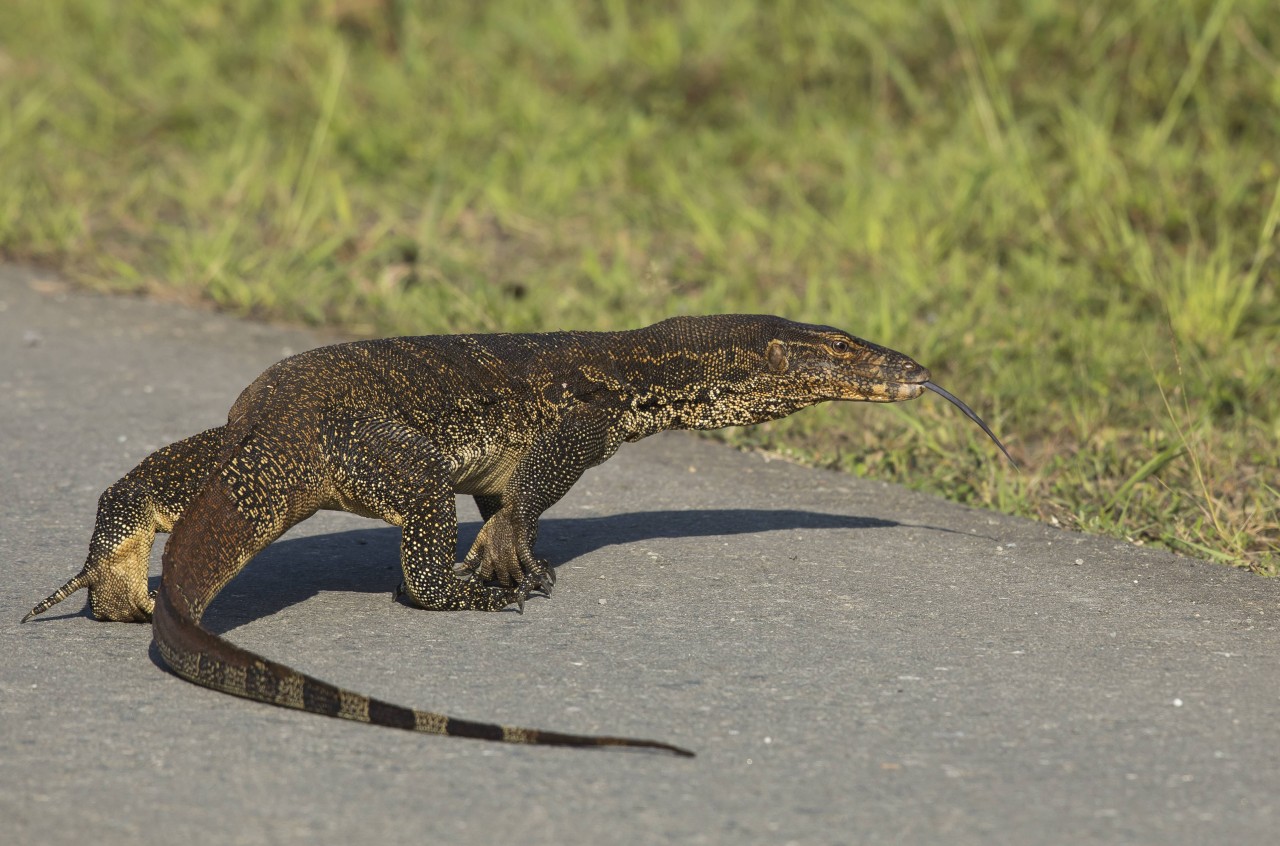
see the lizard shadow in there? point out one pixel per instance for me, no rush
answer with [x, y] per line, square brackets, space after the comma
[293, 570]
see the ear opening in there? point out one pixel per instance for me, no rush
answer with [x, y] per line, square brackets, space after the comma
[776, 355]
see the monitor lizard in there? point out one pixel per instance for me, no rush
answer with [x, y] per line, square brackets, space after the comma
[394, 428]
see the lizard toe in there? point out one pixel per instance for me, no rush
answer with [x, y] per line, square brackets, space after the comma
[513, 596]
[540, 578]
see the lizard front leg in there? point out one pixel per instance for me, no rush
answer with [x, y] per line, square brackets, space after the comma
[149, 499]
[392, 470]
[503, 551]
[488, 505]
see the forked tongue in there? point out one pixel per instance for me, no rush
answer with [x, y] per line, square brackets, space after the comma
[947, 395]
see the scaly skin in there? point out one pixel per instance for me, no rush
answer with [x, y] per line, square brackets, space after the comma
[394, 428]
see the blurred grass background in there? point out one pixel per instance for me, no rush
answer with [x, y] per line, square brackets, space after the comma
[1067, 210]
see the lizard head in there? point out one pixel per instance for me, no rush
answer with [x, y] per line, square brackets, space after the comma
[738, 370]
[821, 363]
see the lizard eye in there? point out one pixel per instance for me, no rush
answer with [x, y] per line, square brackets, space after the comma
[840, 346]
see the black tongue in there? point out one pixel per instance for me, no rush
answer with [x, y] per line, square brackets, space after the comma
[947, 395]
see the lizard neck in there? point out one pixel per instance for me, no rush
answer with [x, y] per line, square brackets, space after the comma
[710, 407]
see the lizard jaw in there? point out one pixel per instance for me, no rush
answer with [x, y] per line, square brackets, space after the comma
[874, 391]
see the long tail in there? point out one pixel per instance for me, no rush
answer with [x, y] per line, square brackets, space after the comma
[206, 659]
[202, 657]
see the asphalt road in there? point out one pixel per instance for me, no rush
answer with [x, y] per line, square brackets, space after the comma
[853, 662]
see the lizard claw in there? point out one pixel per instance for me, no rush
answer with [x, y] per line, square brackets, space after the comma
[540, 577]
[542, 583]
[517, 596]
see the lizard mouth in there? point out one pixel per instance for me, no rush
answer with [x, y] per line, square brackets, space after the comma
[969, 412]
[892, 382]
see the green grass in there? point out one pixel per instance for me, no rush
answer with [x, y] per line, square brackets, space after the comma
[1068, 211]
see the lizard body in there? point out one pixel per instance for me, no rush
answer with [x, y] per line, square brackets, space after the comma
[394, 428]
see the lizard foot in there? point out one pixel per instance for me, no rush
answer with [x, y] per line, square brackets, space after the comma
[502, 554]
[459, 595]
[540, 578]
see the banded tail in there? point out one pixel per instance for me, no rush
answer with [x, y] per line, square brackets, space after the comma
[202, 657]
[215, 528]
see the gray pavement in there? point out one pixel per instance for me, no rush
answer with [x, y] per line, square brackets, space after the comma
[853, 662]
